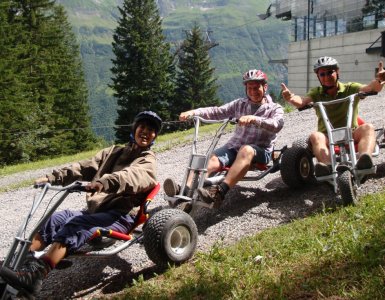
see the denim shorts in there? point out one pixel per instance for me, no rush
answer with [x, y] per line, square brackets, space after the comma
[227, 156]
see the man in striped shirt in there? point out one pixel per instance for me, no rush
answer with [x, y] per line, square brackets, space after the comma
[259, 121]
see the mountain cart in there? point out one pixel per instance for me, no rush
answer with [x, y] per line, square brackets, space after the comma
[297, 163]
[196, 172]
[169, 236]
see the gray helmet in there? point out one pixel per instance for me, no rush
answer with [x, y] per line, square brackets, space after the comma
[325, 62]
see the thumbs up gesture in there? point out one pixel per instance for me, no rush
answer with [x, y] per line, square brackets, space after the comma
[286, 94]
[381, 73]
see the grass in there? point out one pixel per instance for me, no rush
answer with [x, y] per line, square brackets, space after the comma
[332, 255]
[53, 162]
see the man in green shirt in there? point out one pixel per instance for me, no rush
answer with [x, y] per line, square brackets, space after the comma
[327, 70]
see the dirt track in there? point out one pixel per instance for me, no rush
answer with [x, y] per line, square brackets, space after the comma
[249, 208]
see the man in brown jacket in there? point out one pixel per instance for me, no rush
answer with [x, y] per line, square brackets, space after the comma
[121, 178]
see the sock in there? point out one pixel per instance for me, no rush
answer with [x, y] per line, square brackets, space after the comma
[48, 262]
[223, 188]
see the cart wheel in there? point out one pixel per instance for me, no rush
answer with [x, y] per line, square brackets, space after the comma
[4, 293]
[347, 190]
[301, 143]
[170, 237]
[297, 167]
[3, 287]
[185, 206]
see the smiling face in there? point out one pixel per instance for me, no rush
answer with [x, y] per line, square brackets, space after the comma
[328, 77]
[255, 90]
[145, 134]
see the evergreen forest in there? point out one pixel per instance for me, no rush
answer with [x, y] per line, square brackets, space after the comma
[239, 41]
[44, 109]
[73, 71]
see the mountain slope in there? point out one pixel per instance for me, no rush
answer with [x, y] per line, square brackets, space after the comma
[242, 42]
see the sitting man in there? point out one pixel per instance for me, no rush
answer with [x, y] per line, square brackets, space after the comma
[121, 177]
[327, 70]
[259, 121]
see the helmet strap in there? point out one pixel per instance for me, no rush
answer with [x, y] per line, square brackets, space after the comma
[325, 87]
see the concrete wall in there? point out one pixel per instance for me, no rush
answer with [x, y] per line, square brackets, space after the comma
[349, 49]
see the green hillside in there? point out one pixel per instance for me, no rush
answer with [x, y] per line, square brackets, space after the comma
[243, 42]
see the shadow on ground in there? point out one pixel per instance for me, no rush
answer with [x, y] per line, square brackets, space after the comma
[90, 275]
[274, 196]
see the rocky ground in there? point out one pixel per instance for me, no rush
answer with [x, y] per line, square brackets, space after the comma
[249, 208]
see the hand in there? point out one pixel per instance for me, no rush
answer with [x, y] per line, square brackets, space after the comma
[94, 186]
[286, 94]
[247, 120]
[186, 115]
[41, 180]
[381, 73]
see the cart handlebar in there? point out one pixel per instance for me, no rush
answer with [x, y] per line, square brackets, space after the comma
[77, 186]
[207, 121]
[361, 95]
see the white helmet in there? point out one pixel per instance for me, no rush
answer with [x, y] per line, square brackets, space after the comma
[254, 75]
[325, 62]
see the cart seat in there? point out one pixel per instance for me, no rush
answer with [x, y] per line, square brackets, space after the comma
[140, 218]
[360, 121]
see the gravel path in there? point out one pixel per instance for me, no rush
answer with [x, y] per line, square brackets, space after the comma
[249, 208]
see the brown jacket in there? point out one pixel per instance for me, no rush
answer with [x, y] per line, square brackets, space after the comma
[127, 176]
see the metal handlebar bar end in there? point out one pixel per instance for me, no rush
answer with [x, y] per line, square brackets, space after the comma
[362, 95]
[80, 186]
[307, 106]
[40, 185]
[234, 120]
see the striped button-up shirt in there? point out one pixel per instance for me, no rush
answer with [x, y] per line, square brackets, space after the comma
[263, 133]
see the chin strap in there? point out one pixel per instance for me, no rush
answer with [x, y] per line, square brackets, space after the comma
[326, 88]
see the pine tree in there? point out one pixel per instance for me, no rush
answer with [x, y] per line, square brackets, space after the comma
[196, 86]
[70, 112]
[376, 8]
[16, 110]
[45, 98]
[143, 65]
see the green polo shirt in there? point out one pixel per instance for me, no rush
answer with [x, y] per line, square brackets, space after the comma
[337, 113]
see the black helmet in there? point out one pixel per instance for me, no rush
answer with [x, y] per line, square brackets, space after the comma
[148, 116]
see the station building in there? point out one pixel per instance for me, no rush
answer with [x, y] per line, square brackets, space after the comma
[352, 31]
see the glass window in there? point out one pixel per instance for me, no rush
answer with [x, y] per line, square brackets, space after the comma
[330, 28]
[369, 22]
[341, 26]
[300, 29]
[319, 29]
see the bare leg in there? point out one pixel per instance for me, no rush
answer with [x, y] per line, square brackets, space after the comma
[320, 147]
[37, 243]
[213, 165]
[366, 138]
[240, 166]
[56, 252]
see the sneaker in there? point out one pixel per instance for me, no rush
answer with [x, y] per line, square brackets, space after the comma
[170, 187]
[28, 278]
[211, 195]
[364, 162]
[33, 255]
[101, 242]
[322, 169]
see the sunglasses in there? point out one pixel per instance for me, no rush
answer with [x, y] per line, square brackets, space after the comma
[328, 73]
